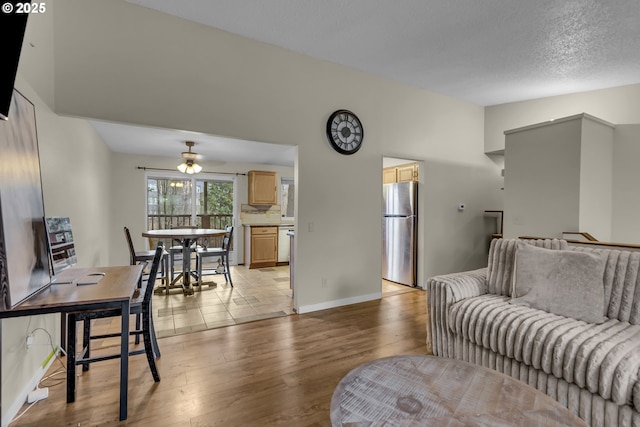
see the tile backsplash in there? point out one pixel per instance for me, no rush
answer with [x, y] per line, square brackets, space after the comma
[260, 214]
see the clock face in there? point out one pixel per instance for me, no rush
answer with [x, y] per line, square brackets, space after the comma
[345, 132]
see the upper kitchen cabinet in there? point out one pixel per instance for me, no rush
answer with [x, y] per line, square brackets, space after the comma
[263, 188]
[401, 173]
[389, 175]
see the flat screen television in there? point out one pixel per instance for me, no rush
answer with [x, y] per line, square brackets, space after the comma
[24, 256]
[12, 27]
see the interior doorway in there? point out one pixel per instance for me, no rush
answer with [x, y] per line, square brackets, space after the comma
[402, 219]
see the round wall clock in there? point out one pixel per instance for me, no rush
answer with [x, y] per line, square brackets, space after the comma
[345, 132]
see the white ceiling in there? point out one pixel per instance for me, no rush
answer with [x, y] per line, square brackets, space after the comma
[123, 138]
[487, 52]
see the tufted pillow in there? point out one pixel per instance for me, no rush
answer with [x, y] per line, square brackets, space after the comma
[564, 282]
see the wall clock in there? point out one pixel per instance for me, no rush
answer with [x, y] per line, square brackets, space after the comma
[345, 132]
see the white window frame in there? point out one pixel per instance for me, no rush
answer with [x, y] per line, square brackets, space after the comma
[194, 213]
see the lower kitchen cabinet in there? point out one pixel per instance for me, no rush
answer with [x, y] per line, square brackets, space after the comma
[261, 246]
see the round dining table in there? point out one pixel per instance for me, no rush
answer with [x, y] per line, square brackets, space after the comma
[186, 236]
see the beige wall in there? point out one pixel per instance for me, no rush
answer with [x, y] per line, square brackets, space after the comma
[558, 178]
[120, 62]
[626, 175]
[619, 105]
[75, 168]
[542, 180]
[596, 179]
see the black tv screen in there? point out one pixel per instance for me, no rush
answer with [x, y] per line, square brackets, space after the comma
[13, 21]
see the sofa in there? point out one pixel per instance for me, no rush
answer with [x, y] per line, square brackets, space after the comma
[589, 364]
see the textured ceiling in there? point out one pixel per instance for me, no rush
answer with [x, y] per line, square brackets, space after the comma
[486, 52]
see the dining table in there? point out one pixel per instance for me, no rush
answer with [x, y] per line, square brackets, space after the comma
[187, 237]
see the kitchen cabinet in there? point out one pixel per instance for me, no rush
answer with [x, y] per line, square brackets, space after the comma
[389, 175]
[401, 173]
[263, 188]
[407, 173]
[261, 246]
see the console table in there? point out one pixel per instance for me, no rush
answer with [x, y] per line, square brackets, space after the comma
[113, 291]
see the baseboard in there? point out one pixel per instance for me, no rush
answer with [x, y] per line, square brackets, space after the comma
[338, 303]
[13, 409]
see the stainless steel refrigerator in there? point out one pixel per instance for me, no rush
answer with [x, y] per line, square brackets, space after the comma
[399, 231]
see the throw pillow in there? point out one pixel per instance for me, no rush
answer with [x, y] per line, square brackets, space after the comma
[564, 282]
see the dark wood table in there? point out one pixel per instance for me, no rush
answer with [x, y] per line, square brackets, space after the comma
[435, 391]
[113, 291]
[186, 236]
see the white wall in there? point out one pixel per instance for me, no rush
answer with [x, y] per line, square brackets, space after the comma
[120, 62]
[620, 105]
[596, 179]
[75, 169]
[626, 176]
[558, 178]
[542, 179]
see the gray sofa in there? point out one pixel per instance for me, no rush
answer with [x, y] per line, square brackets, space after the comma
[591, 368]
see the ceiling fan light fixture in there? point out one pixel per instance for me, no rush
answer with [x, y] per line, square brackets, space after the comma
[189, 165]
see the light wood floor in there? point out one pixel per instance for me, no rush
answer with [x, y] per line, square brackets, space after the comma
[275, 372]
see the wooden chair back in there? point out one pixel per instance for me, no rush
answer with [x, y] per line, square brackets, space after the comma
[153, 274]
[132, 251]
[227, 240]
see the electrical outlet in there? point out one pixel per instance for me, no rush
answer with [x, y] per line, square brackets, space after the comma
[29, 341]
[324, 282]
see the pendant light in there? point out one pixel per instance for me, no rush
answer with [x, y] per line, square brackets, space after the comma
[189, 165]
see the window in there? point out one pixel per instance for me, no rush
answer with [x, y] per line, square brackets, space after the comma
[169, 203]
[214, 204]
[181, 202]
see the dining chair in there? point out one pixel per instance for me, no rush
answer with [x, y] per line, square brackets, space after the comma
[222, 253]
[140, 304]
[136, 257]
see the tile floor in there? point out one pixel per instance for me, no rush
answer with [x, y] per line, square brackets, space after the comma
[256, 294]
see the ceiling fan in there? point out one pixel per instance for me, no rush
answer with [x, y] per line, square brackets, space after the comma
[189, 165]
